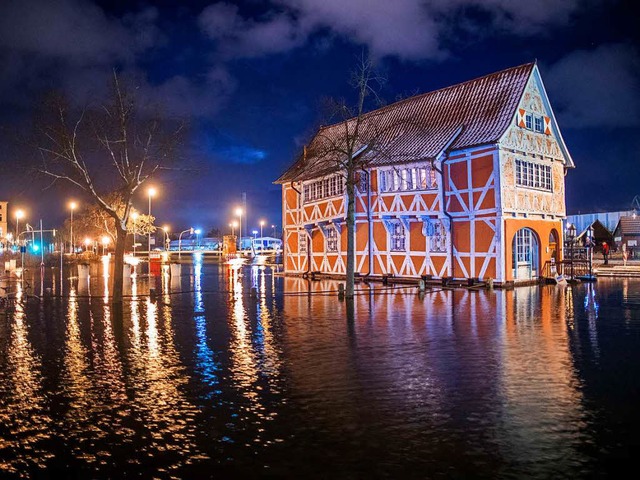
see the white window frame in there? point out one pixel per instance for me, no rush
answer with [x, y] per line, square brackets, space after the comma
[331, 240]
[397, 237]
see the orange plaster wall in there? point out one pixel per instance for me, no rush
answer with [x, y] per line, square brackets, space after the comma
[317, 241]
[380, 235]
[417, 241]
[458, 173]
[462, 236]
[362, 236]
[481, 169]
[484, 236]
[542, 228]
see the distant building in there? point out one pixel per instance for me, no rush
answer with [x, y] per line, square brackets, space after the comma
[607, 219]
[627, 232]
[470, 185]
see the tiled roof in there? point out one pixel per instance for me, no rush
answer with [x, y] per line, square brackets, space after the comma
[472, 113]
[629, 225]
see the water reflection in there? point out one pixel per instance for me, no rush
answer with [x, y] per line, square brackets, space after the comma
[25, 418]
[495, 366]
[249, 373]
[206, 364]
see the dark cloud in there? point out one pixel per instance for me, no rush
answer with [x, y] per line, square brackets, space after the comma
[408, 29]
[74, 45]
[596, 88]
[74, 30]
[238, 36]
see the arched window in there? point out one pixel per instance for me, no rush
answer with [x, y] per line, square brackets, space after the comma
[525, 254]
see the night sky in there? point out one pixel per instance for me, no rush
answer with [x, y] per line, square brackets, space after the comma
[250, 78]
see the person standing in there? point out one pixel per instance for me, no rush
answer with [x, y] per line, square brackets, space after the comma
[605, 252]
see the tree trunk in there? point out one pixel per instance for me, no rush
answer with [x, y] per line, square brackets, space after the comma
[351, 234]
[118, 268]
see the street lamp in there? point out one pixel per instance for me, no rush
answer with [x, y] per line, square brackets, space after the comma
[262, 223]
[165, 229]
[19, 215]
[198, 232]
[233, 226]
[190, 230]
[591, 244]
[72, 206]
[151, 192]
[87, 242]
[571, 235]
[105, 242]
[239, 214]
[255, 233]
[274, 230]
[134, 216]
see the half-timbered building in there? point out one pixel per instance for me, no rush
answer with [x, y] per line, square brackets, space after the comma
[463, 182]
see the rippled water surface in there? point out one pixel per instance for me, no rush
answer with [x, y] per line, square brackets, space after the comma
[240, 372]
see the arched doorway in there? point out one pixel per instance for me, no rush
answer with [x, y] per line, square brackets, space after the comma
[554, 243]
[525, 255]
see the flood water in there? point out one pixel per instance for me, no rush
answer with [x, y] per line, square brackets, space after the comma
[237, 372]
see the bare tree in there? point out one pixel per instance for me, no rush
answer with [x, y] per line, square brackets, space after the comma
[95, 222]
[361, 136]
[348, 147]
[111, 148]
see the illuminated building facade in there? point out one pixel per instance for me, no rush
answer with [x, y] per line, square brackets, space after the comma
[466, 182]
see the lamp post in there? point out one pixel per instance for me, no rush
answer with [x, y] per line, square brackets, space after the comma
[105, 242]
[19, 214]
[571, 235]
[197, 232]
[165, 229]
[151, 192]
[590, 238]
[190, 230]
[72, 206]
[134, 216]
[262, 223]
[239, 214]
[87, 242]
[274, 230]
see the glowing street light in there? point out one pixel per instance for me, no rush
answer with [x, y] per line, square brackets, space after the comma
[239, 214]
[190, 230]
[105, 242]
[274, 230]
[87, 242]
[19, 215]
[152, 193]
[262, 224]
[165, 229]
[255, 233]
[233, 226]
[198, 232]
[72, 205]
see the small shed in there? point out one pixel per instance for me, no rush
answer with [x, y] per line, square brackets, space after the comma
[601, 234]
[627, 233]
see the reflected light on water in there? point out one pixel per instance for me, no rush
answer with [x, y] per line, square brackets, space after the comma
[249, 374]
[24, 413]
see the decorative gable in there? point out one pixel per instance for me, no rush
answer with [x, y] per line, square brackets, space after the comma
[534, 130]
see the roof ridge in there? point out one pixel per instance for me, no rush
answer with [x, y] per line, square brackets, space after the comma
[443, 89]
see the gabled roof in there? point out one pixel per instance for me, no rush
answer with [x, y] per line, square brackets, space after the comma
[472, 113]
[628, 226]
